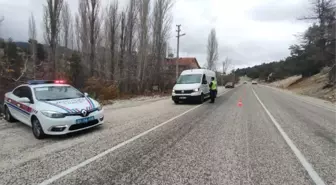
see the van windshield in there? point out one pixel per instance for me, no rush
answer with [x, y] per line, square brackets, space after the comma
[189, 79]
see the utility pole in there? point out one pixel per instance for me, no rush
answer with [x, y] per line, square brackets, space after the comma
[178, 48]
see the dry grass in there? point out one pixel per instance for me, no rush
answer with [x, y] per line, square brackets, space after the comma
[101, 89]
[106, 92]
[315, 86]
[285, 83]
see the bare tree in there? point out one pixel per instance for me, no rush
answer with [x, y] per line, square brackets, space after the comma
[66, 24]
[130, 43]
[161, 29]
[82, 27]
[32, 39]
[225, 64]
[112, 23]
[88, 25]
[72, 35]
[52, 12]
[32, 27]
[143, 36]
[212, 50]
[122, 45]
[93, 9]
[77, 33]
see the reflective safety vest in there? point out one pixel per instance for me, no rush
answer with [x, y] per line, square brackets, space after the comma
[214, 85]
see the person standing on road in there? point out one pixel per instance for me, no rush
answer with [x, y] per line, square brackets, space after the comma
[213, 89]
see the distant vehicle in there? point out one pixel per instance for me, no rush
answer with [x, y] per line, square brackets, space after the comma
[254, 82]
[52, 108]
[193, 85]
[229, 85]
[245, 82]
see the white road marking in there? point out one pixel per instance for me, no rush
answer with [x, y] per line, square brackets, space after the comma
[308, 167]
[90, 160]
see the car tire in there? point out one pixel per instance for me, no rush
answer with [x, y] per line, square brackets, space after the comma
[37, 129]
[176, 102]
[201, 99]
[8, 115]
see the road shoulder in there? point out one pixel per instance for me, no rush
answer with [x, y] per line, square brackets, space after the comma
[307, 99]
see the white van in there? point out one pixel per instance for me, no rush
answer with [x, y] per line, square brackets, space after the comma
[193, 85]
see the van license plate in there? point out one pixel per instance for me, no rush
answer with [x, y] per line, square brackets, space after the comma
[84, 120]
[183, 98]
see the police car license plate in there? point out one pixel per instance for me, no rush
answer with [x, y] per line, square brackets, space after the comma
[183, 98]
[84, 120]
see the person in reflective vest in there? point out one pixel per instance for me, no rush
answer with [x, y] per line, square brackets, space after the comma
[213, 89]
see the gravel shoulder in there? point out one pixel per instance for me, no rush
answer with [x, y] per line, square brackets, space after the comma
[308, 99]
[133, 102]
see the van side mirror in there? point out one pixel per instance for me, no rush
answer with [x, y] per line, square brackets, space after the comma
[205, 82]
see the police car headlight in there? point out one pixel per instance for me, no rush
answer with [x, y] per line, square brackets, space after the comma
[196, 90]
[53, 114]
[99, 107]
[173, 90]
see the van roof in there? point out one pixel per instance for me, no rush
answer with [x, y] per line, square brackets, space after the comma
[197, 71]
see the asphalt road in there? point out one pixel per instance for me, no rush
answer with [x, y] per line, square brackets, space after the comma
[273, 138]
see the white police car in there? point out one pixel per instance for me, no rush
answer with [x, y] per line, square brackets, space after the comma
[52, 108]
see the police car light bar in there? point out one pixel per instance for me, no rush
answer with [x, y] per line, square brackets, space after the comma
[59, 81]
[35, 82]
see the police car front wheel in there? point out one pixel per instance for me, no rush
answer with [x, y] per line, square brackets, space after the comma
[37, 129]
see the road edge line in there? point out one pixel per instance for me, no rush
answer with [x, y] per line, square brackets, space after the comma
[308, 167]
[102, 154]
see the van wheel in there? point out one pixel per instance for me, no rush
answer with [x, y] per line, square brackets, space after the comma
[8, 115]
[201, 99]
[176, 102]
[37, 129]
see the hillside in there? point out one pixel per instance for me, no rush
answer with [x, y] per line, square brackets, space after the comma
[285, 83]
[314, 86]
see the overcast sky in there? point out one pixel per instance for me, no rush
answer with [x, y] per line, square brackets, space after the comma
[249, 32]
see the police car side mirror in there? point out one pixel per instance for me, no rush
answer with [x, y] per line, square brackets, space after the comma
[86, 94]
[24, 100]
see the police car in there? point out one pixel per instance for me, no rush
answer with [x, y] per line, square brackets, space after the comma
[52, 108]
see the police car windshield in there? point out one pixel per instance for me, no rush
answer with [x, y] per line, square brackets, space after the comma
[189, 79]
[50, 93]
